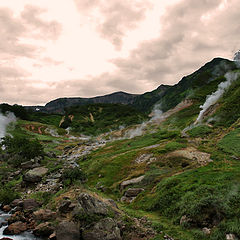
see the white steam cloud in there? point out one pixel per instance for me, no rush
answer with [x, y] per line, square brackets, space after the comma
[4, 121]
[214, 97]
[155, 115]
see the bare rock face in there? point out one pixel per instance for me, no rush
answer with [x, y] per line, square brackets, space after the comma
[105, 229]
[67, 231]
[35, 175]
[15, 228]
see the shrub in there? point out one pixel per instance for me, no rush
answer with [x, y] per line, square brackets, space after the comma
[72, 175]
[7, 195]
[23, 147]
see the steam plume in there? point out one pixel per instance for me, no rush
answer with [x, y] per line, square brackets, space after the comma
[4, 121]
[214, 97]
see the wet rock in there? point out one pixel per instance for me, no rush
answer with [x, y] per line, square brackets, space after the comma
[105, 229]
[44, 215]
[6, 208]
[30, 204]
[67, 231]
[35, 175]
[231, 236]
[43, 230]
[16, 217]
[15, 228]
[131, 181]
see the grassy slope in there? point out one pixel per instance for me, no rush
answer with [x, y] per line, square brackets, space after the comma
[172, 189]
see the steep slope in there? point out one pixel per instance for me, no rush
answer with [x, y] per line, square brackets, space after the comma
[177, 179]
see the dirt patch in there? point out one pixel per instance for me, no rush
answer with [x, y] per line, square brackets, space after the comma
[192, 154]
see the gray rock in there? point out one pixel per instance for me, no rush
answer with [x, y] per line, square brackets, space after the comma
[131, 181]
[67, 231]
[28, 164]
[133, 192]
[66, 206]
[90, 205]
[105, 229]
[35, 175]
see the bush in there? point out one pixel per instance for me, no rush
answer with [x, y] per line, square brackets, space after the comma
[199, 131]
[7, 195]
[25, 148]
[72, 175]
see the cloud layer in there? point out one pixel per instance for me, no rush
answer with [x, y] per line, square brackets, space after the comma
[190, 33]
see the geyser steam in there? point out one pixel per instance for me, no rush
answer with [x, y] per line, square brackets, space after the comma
[4, 121]
[214, 97]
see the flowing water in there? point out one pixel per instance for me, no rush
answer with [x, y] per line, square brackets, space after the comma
[23, 236]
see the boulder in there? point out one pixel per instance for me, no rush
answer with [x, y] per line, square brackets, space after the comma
[105, 229]
[30, 204]
[133, 192]
[67, 231]
[15, 228]
[16, 203]
[35, 175]
[66, 206]
[44, 215]
[89, 205]
[43, 230]
[131, 181]
[6, 208]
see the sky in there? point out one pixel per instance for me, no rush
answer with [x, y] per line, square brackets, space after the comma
[85, 48]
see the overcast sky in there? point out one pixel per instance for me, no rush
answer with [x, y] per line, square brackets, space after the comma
[83, 48]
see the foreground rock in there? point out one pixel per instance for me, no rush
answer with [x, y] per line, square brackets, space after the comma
[89, 205]
[105, 229]
[67, 231]
[43, 230]
[35, 175]
[15, 228]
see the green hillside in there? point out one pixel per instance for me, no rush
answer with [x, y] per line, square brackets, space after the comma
[168, 177]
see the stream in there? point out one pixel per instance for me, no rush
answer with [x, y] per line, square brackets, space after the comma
[24, 236]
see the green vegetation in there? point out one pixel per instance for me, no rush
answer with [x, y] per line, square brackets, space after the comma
[95, 119]
[23, 147]
[199, 131]
[231, 143]
[73, 175]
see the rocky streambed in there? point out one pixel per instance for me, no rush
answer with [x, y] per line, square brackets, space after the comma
[4, 225]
